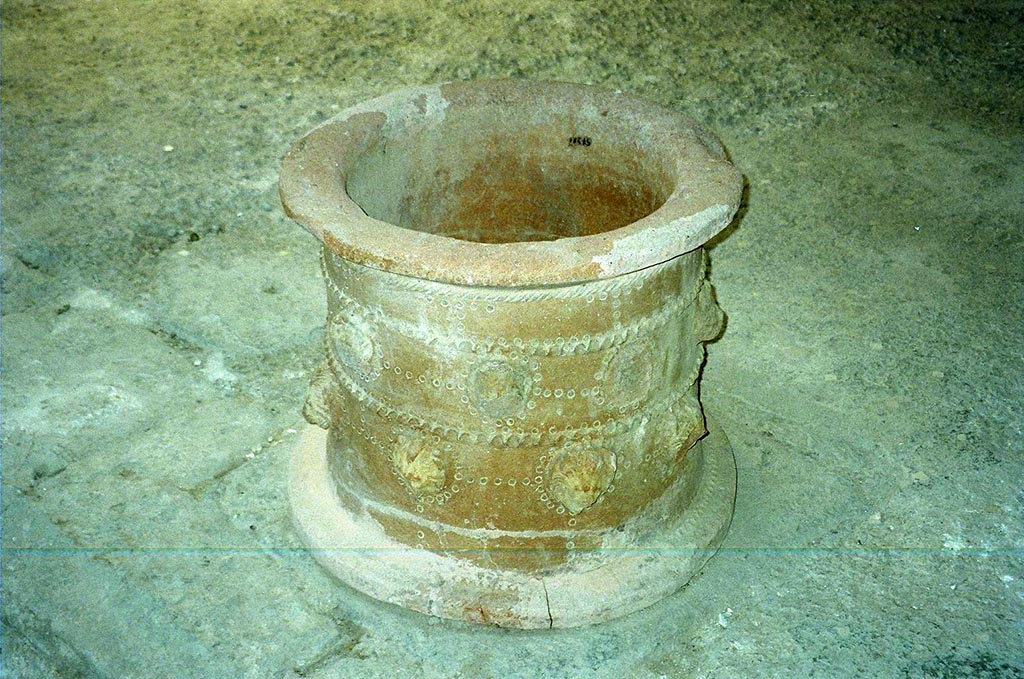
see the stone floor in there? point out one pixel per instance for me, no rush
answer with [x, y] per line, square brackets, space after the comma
[161, 315]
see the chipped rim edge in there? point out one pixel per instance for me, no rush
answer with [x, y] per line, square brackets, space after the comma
[686, 220]
[355, 549]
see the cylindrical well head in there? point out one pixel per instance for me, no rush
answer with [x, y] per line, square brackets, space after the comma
[517, 310]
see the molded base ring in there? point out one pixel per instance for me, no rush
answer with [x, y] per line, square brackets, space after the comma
[594, 587]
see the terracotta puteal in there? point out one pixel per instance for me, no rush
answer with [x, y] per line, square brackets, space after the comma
[506, 426]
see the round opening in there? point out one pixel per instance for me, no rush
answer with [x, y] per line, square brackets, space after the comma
[509, 183]
[505, 174]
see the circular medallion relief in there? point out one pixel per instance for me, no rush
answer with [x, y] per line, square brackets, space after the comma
[351, 341]
[579, 475]
[499, 388]
[629, 372]
[419, 465]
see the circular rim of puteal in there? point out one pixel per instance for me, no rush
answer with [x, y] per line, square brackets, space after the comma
[706, 190]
